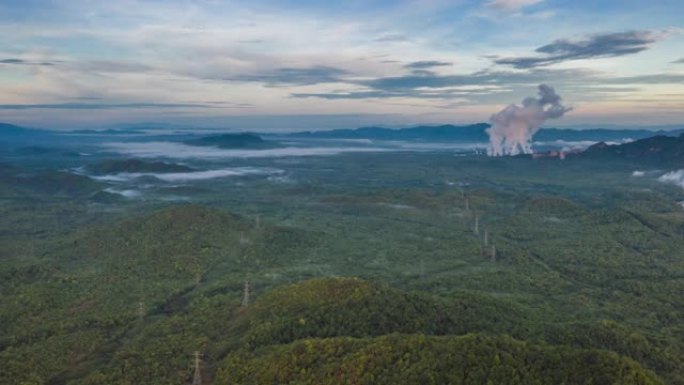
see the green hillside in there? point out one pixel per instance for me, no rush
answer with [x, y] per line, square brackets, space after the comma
[416, 359]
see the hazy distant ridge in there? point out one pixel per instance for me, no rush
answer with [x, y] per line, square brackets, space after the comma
[477, 133]
[468, 133]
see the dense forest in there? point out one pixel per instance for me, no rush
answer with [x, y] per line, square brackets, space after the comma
[361, 268]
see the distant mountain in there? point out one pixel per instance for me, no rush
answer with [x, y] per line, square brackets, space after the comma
[233, 141]
[599, 134]
[10, 133]
[474, 132]
[7, 129]
[15, 182]
[144, 126]
[659, 149]
[477, 133]
[32, 151]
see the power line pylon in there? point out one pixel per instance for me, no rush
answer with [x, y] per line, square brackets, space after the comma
[197, 377]
[245, 296]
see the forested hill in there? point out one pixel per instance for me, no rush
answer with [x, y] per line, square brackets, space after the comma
[342, 331]
[475, 132]
[233, 141]
[659, 150]
[466, 133]
[11, 133]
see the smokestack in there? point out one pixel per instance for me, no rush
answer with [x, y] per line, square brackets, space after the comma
[513, 127]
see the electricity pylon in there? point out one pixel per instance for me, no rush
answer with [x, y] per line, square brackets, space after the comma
[197, 377]
[245, 296]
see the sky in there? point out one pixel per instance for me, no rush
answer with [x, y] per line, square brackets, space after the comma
[310, 64]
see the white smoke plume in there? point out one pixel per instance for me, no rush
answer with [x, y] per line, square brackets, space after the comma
[513, 127]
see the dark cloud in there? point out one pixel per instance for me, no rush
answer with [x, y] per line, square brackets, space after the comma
[423, 73]
[25, 62]
[680, 61]
[423, 80]
[442, 95]
[101, 106]
[295, 76]
[427, 64]
[489, 86]
[596, 46]
[12, 61]
[346, 95]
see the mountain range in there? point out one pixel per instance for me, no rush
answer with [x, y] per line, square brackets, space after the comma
[466, 133]
[477, 133]
[656, 150]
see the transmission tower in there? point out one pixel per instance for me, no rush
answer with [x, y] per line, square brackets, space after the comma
[197, 377]
[245, 296]
[243, 239]
[141, 310]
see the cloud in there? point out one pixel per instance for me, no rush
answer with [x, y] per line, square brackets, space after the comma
[427, 64]
[492, 86]
[595, 46]
[125, 193]
[111, 67]
[680, 61]
[511, 5]
[294, 76]
[102, 106]
[482, 78]
[673, 177]
[14, 61]
[344, 95]
[663, 78]
[428, 85]
[392, 37]
[94, 66]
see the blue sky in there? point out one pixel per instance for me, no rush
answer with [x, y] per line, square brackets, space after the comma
[323, 64]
